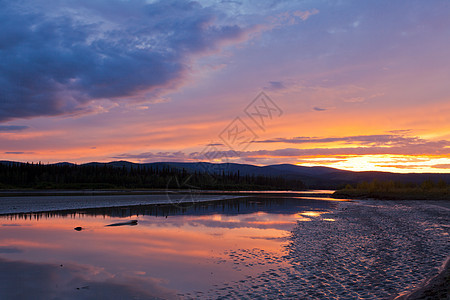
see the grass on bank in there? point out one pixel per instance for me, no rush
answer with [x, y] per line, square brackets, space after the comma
[393, 190]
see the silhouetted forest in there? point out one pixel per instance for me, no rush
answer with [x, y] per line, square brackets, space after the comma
[69, 176]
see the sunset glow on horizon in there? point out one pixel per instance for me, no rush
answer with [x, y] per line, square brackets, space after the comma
[353, 85]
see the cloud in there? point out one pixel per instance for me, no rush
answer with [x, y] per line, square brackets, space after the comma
[275, 86]
[177, 156]
[56, 58]
[355, 99]
[6, 249]
[319, 109]
[358, 145]
[401, 131]
[304, 15]
[292, 18]
[73, 281]
[12, 128]
[425, 149]
[379, 139]
[441, 166]
[360, 99]
[18, 152]
[398, 166]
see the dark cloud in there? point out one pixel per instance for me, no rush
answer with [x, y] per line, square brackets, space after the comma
[378, 139]
[401, 131]
[55, 58]
[6, 249]
[360, 145]
[17, 152]
[231, 1]
[426, 149]
[319, 109]
[178, 156]
[9, 128]
[373, 145]
[158, 156]
[275, 85]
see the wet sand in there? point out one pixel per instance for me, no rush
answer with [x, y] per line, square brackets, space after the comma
[436, 287]
[364, 250]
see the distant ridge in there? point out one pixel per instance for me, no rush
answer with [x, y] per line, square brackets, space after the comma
[313, 177]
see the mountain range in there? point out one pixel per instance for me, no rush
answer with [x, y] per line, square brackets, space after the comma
[313, 177]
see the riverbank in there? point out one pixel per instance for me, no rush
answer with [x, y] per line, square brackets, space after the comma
[437, 287]
[366, 249]
[393, 195]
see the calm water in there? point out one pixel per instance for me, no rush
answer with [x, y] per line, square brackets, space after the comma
[172, 251]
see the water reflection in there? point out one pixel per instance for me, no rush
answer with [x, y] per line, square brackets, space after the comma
[274, 205]
[171, 250]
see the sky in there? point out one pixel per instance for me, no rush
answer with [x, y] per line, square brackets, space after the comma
[349, 84]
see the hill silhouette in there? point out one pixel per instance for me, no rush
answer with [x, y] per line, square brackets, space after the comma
[201, 175]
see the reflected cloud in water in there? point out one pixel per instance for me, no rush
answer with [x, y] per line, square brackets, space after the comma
[25, 280]
[6, 249]
[181, 249]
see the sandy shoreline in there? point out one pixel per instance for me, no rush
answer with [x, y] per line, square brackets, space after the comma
[436, 287]
[365, 250]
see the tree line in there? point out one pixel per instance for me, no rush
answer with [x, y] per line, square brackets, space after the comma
[103, 176]
[387, 186]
